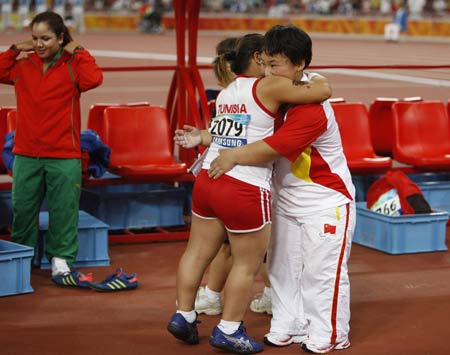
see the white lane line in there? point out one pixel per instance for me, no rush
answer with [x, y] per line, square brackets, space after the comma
[208, 60]
[396, 77]
[140, 55]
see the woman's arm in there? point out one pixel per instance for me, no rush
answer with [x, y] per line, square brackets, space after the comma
[88, 74]
[190, 137]
[276, 90]
[251, 154]
[8, 60]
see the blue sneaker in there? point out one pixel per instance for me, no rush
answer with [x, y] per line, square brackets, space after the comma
[73, 279]
[119, 281]
[238, 342]
[183, 330]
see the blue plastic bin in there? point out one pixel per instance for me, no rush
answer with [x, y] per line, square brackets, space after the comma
[437, 193]
[135, 205]
[92, 241]
[363, 182]
[15, 268]
[5, 209]
[401, 234]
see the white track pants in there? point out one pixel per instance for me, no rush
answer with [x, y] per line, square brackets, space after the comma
[307, 261]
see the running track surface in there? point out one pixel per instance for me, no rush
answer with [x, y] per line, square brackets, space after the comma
[130, 49]
[400, 304]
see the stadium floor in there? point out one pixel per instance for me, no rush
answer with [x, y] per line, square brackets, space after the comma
[400, 304]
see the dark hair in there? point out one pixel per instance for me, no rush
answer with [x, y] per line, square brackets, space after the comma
[221, 67]
[55, 23]
[290, 41]
[240, 58]
[226, 45]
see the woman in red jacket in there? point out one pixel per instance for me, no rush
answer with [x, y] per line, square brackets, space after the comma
[48, 82]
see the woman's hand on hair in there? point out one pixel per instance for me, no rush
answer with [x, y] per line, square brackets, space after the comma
[71, 47]
[25, 46]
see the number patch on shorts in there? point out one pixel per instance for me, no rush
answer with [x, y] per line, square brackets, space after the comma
[230, 130]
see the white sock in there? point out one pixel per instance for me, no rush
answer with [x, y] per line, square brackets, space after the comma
[59, 266]
[212, 295]
[267, 292]
[190, 316]
[228, 327]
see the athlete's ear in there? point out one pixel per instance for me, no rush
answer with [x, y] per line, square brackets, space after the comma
[301, 66]
[258, 58]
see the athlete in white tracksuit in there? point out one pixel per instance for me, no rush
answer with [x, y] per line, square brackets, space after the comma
[314, 220]
[313, 224]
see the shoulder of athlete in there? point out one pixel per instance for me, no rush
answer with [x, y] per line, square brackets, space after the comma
[268, 90]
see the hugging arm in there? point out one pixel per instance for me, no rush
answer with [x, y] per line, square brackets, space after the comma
[304, 124]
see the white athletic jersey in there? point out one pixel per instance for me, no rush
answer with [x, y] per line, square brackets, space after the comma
[241, 119]
[315, 176]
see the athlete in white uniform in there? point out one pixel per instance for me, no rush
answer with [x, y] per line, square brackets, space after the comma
[241, 119]
[314, 215]
[314, 220]
[246, 110]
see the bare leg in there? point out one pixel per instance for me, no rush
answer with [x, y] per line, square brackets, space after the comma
[205, 239]
[220, 268]
[264, 275]
[248, 252]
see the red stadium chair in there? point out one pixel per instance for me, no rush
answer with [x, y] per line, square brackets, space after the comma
[448, 108]
[3, 131]
[11, 121]
[353, 121]
[95, 117]
[422, 135]
[381, 128]
[96, 112]
[336, 100]
[141, 144]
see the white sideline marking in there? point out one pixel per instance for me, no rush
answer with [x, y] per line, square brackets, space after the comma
[397, 77]
[208, 60]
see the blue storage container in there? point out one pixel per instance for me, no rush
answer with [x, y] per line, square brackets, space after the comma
[429, 176]
[5, 208]
[401, 234]
[6, 211]
[92, 240]
[437, 193]
[15, 268]
[135, 205]
[362, 184]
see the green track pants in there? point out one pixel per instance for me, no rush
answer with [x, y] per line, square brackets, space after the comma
[60, 179]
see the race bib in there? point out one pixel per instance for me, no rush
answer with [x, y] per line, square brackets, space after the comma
[230, 130]
[388, 204]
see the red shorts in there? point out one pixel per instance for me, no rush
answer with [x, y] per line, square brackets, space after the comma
[240, 206]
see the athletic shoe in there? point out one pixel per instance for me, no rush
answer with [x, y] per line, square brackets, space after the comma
[261, 304]
[182, 329]
[319, 349]
[73, 279]
[203, 304]
[275, 339]
[116, 282]
[238, 342]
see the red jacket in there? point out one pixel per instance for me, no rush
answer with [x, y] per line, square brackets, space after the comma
[48, 104]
